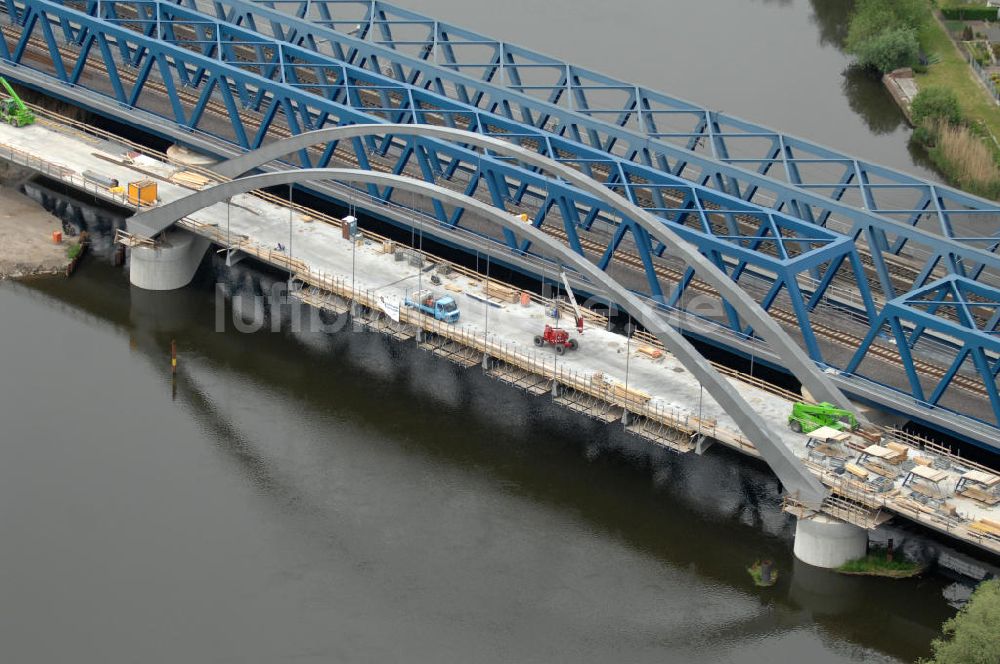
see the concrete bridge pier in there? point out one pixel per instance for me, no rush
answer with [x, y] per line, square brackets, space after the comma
[823, 541]
[170, 264]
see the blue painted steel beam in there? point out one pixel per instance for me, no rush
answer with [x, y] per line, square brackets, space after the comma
[634, 108]
[911, 314]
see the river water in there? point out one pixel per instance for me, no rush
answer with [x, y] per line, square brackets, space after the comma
[300, 496]
[774, 62]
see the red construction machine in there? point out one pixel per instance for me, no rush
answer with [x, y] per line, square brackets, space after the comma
[557, 337]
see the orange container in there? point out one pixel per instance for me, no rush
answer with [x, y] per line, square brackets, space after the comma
[142, 192]
[525, 299]
[57, 237]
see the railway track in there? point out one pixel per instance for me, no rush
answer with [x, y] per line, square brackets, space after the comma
[788, 318]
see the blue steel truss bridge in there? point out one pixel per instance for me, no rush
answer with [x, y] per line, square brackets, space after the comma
[890, 283]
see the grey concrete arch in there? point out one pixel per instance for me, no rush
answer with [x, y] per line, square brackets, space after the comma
[783, 463]
[796, 360]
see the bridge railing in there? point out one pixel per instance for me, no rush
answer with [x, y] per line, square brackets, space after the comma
[59, 173]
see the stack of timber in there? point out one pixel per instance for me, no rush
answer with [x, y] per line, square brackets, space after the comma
[190, 179]
[500, 292]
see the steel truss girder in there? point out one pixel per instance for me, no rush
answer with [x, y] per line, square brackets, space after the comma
[645, 112]
[216, 68]
[948, 306]
[792, 473]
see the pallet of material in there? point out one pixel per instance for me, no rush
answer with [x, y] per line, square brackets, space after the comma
[914, 506]
[873, 437]
[980, 496]
[651, 352]
[501, 292]
[880, 470]
[190, 179]
[902, 451]
[856, 470]
[453, 288]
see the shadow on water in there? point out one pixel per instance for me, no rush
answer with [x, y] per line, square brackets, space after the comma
[709, 516]
[872, 102]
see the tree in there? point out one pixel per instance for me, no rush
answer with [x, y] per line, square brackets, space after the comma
[869, 20]
[883, 33]
[934, 104]
[972, 636]
[890, 49]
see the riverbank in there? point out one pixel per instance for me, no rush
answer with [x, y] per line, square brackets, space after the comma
[954, 73]
[26, 246]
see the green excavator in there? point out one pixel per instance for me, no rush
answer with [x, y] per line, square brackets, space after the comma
[12, 109]
[807, 417]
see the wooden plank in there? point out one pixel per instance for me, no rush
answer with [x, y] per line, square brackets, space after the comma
[650, 351]
[501, 292]
[856, 470]
[979, 496]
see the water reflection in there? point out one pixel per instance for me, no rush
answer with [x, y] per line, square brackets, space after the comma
[830, 18]
[871, 101]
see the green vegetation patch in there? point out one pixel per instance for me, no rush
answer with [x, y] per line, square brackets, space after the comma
[973, 635]
[73, 251]
[755, 572]
[877, 563]
[884, 34]
[936, 103]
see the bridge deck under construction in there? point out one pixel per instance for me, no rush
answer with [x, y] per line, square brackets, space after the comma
[609, 378]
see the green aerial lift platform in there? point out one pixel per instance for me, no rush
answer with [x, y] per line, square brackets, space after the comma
[12, 109]
[807, 417]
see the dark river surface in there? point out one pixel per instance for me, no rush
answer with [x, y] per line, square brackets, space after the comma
[299, 496]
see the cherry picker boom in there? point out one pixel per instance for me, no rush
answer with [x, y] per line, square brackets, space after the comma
[572, 300]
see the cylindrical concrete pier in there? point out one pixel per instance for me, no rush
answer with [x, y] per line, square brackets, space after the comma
[826, 542]
[170, 264]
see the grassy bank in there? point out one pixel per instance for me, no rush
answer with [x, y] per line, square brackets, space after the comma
[966, 153]
[954, 72]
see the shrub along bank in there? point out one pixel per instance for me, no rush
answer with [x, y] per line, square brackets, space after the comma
[957, 148]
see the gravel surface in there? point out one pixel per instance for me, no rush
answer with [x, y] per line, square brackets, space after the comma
[26, 246]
